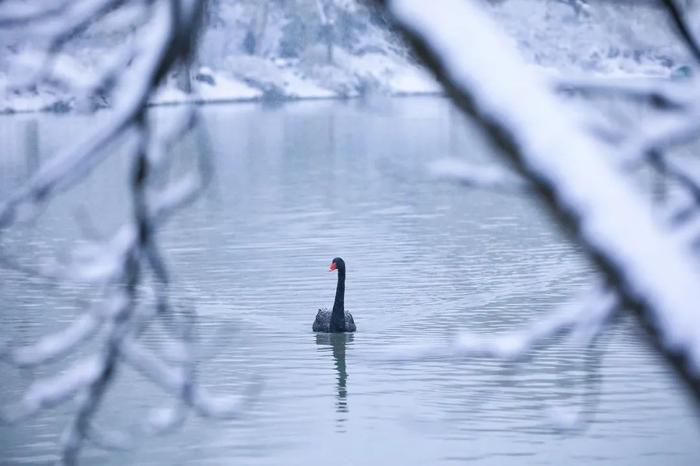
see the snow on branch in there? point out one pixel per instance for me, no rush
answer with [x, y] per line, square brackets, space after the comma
[50, 391]
[55, 345]
[649, 268]
[582, 319]
[177, 381]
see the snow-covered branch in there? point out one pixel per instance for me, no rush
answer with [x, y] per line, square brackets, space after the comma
[655, 91]
[582, 319]
[55, 345]
[683, 25]
[50, 391]
[120, 265]
[651, 271]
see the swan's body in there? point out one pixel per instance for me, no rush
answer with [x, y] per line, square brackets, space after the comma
[338, 319]
[323, 322]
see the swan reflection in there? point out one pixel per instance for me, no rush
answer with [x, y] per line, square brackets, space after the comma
[338, 341]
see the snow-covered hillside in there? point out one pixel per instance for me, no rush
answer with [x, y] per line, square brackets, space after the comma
[298, 49]
[595, 37]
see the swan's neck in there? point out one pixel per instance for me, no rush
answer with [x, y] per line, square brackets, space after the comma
[338, 314]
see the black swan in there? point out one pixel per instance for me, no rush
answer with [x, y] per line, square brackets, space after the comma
[338, 320]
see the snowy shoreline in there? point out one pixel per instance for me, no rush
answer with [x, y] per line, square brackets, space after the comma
[285, 99]
[371, 61]
[238, 92]
[195, 100]
[257, 80]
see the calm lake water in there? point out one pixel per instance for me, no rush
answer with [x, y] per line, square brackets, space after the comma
[297, 185]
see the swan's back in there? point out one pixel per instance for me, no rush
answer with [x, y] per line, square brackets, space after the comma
[323, 322]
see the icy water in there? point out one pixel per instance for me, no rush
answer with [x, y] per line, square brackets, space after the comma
[297, 185]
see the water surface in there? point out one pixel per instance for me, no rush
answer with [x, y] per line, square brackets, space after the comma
[297, 185]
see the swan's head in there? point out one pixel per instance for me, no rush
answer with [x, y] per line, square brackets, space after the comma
[337, 264]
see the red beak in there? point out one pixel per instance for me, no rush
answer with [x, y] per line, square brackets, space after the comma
[332, 267]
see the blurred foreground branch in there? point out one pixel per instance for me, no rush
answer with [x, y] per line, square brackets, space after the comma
[651, 271]
[122, 266]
